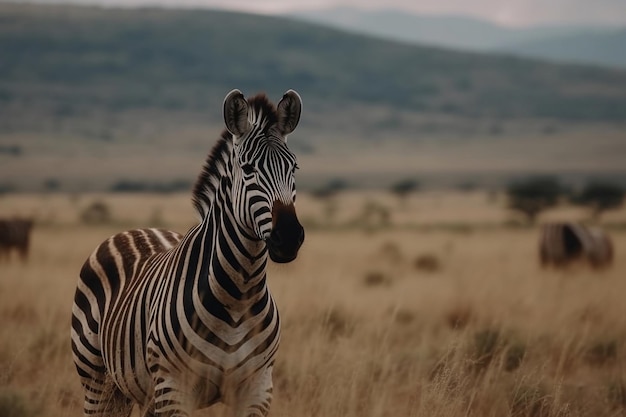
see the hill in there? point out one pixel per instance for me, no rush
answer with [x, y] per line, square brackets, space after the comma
[90, 97]
[75, 63]
[451, 31]
[567, 43]
[606, 48]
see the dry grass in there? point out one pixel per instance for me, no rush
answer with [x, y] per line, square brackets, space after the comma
[489, 333]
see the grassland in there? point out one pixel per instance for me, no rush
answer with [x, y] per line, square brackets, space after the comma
[487, 161]
[436, 308]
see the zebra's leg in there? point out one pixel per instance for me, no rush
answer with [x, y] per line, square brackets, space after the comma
[254, 396]
[171, 398]
[102, 396]
[104, 399]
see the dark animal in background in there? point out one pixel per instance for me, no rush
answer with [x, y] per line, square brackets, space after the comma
[560, 244]
[15, 234]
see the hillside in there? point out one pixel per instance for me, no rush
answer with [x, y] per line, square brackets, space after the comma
[65, 64]
[90, 97]
[451, 31]
[602, 48]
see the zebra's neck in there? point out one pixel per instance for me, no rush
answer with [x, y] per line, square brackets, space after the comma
[231, 265]
[213, 172]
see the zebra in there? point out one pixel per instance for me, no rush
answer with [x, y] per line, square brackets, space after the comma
[15, 234]
[177, 323]
[562, 243]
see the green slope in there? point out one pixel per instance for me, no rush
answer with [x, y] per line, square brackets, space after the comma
[63, 65]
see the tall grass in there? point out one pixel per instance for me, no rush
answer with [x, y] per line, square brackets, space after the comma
[487, 333]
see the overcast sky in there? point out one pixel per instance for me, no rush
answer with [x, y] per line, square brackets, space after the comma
[505, 12]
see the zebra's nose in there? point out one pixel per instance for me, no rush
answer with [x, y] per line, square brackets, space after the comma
[287, 233]
[277, 236]
[301, 237]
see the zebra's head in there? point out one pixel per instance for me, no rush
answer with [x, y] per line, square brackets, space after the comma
[263, 168]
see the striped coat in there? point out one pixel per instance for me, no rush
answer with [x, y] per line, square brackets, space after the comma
[175, 323]
[561, 244]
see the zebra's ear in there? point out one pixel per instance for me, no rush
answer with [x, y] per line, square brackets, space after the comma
[289, 109]
[236, 113]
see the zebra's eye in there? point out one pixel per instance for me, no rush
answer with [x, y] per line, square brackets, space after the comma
[248, 169]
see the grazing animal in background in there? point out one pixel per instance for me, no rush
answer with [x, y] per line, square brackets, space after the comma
[177, 323]
[561, 244]
[15, 234]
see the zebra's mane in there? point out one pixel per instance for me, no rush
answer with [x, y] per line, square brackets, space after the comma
[261, 113]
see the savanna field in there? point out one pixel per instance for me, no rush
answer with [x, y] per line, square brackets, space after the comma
[433, 305]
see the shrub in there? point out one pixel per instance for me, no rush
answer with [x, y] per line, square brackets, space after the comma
[14, 405]
[459, 317]
[392, 252]
[404, 187]
[376, 278]
[616, 394]
[514, 356]
[530, 401]
[600, 196]
[97, 212]
[484, 348]
[337, 323]
[330, 189]
[427, 262]
[601, 353]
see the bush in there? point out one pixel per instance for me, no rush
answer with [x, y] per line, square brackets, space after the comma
[376, 278]
[14, 405]
[404, 187]
[129, 186]
[427, 262]
[330, 189]
[530, 401]
[97, 212]
[600, 196]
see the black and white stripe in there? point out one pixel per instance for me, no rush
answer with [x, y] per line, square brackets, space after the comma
[176, 323]
[563, 243]
[15, 235]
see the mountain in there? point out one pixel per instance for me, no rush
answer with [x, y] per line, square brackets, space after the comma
[456, 32]
[577, 44]
[95, 71]
[92, 97]
[606, 48]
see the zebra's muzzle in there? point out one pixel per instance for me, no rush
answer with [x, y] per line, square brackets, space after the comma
[287, 233]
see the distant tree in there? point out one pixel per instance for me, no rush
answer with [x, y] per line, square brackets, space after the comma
[331, 188]
[11, 150]
[51, 184]
[98, 212]
[533, 195]
[403, 188]
[600, 196]
[327, 194]
[6, 188]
